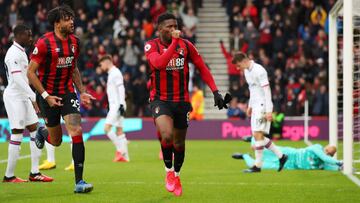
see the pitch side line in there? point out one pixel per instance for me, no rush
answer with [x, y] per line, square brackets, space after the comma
[21, 157]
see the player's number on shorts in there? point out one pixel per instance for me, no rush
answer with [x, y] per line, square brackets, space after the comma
[75, 104]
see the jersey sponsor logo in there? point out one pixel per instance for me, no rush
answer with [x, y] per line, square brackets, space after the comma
[176, 64]
[35, 51]
[64, 62]
[147, 47]
[57, 49]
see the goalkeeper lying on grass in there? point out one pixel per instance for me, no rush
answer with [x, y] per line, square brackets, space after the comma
[313, 157]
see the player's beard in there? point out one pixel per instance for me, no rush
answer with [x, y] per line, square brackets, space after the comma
[67, 30]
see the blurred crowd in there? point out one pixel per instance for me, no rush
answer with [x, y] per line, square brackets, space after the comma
[289, 38]
[117, 27]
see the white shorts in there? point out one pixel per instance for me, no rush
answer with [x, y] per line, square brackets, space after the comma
[114, 118]
[258, 121]
[20, 113]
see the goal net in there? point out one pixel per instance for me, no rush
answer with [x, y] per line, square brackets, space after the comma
[344, 84]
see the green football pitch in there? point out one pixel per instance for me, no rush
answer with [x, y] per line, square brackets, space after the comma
[209, 174]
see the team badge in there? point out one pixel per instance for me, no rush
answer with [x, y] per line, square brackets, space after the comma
[157, 109]
[147, 47]
[57, 49]
[36, 51]
[181, 52]
[73, 49]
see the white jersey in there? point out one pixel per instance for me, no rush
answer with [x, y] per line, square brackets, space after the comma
[256, 77]
[115, 89]
[16, 64]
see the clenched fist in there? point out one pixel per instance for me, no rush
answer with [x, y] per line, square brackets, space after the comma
[176, 33]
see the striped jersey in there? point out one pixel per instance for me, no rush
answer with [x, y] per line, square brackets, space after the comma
[170, 69]
[57, 59]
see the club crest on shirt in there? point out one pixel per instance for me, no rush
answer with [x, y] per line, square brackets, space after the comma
[57, 49]
[181, 52]
[73, 49]
[157, 109]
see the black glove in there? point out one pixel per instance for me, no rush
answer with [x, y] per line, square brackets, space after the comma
[122, 110]
[221, 41]
[218, 100]
[227, 100]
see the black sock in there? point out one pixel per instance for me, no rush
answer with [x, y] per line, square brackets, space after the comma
[78, 154]
[167, 151]
[179, 155]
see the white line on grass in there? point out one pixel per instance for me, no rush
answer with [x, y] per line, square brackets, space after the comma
[21, 157]
[214, 183]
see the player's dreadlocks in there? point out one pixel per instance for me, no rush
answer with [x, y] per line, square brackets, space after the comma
[60, 12]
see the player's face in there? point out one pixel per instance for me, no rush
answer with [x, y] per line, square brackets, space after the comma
[166, 28]
[241, 65]
[67, 25]
[26, 38]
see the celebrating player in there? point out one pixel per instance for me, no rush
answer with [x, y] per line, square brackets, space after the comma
[21, 107]
[54, 58]
[116, 95]
[260, 109]
[168, 57]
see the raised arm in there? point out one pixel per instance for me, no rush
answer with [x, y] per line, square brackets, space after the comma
[160, 61]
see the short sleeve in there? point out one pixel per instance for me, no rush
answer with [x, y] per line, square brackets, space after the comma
[39, 53]
[262, 77]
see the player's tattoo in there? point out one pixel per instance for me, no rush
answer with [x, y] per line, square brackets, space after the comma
[77, 80]
[73, 119]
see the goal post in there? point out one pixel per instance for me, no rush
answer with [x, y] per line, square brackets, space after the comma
[344, 80]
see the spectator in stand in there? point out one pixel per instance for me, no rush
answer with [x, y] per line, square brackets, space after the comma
[130, 54]
[234, 110]
[234, 75]
[156, 10]
[197, 103]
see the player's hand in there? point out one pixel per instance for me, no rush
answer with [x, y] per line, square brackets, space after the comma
[221, 41]
[54, 101]
[122, 110]
[86, 99]
[36, 107]
[248, 112]
[176, 34]
[268, 116]
[218, 100]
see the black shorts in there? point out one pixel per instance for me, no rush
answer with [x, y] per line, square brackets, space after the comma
[52, 115]
[178, 111]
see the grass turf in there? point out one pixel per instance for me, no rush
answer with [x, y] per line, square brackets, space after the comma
[209, 174]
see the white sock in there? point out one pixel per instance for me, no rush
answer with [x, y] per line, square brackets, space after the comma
[112, 136]
[13, 154]
[177, 174]
[259, 147]
[35, 154]
[169, 169]
[124, 146]
[271, 146]
[50, 152]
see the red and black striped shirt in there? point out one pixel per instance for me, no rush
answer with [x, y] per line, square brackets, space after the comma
[57, 60]
[170, 69]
